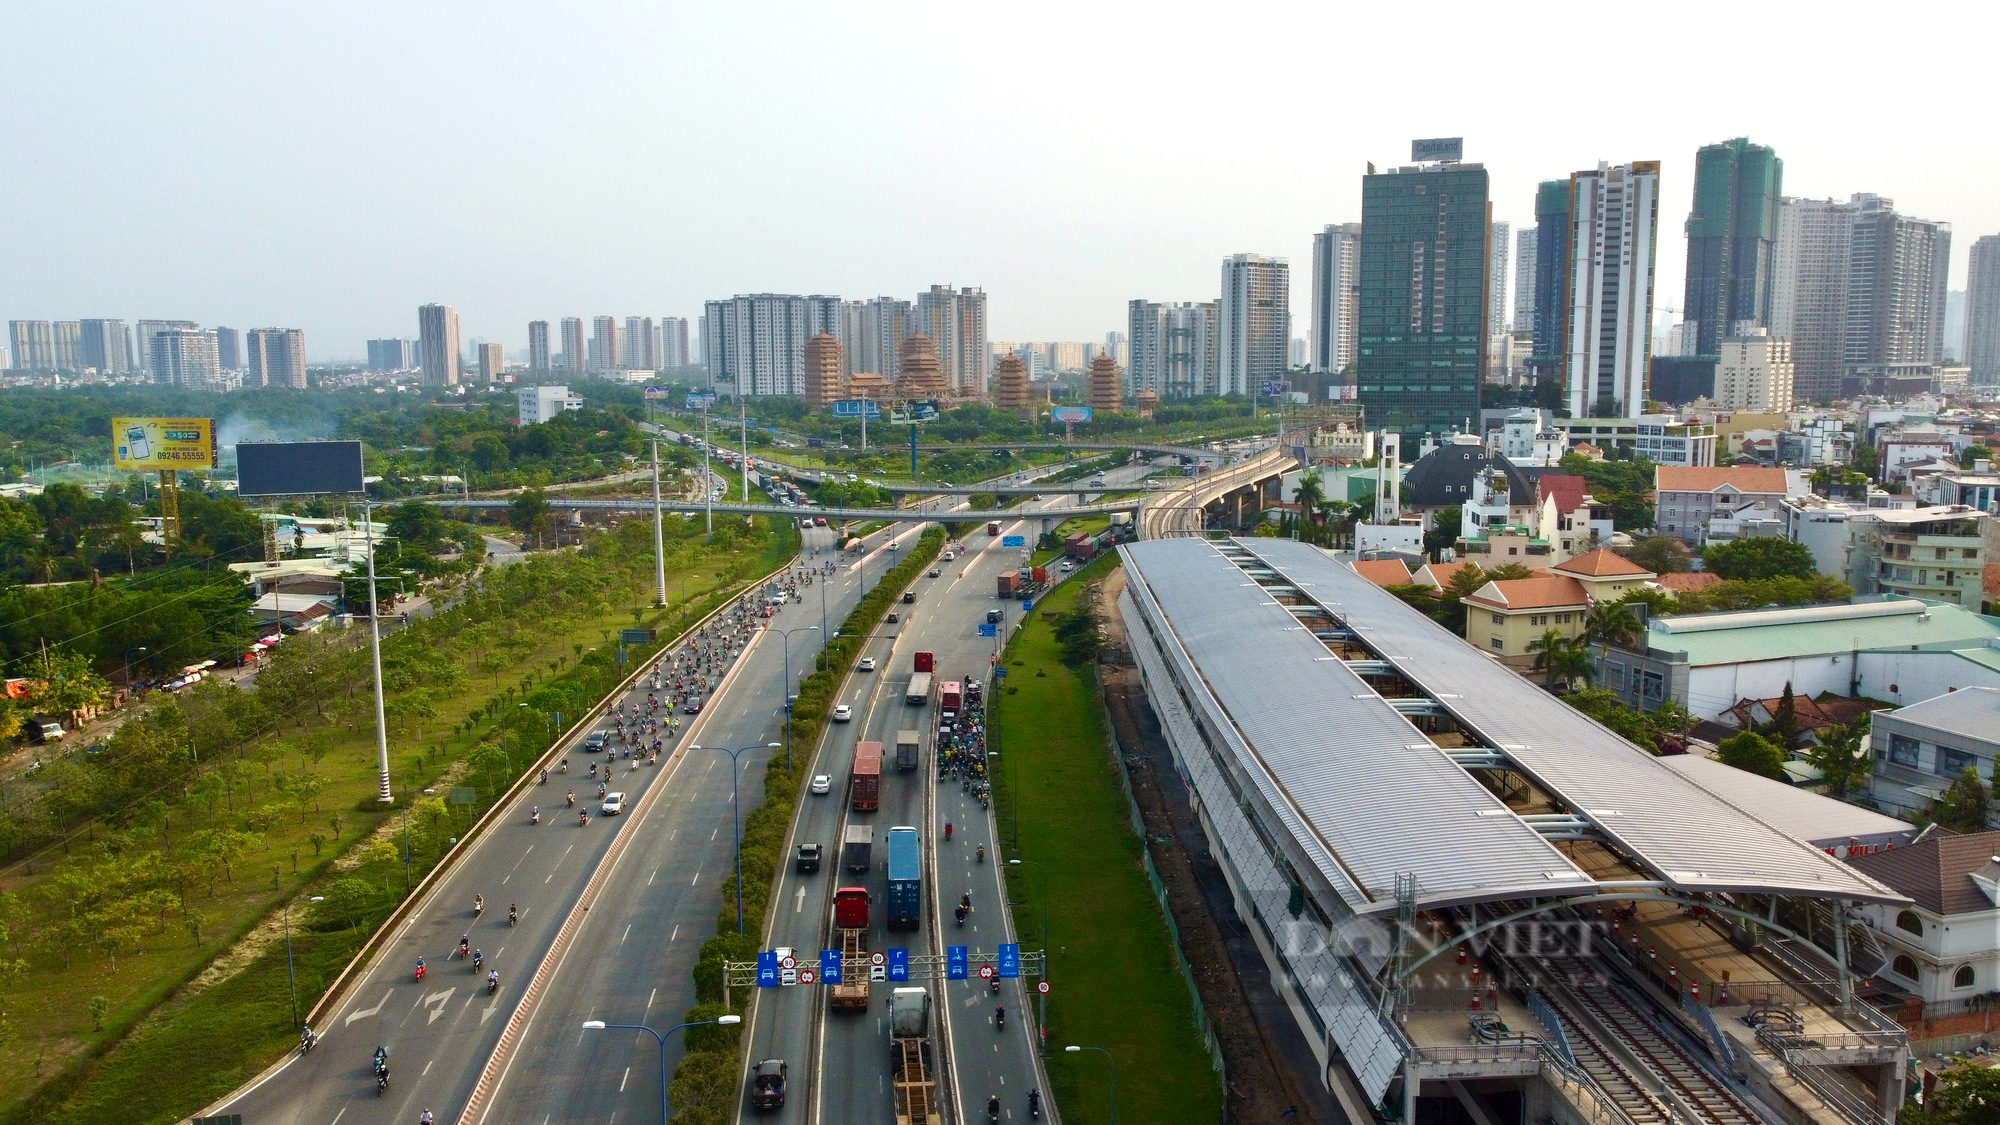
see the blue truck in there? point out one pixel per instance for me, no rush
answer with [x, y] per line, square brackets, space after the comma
[906, 879]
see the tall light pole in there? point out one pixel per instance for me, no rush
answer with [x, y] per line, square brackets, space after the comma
[375, 659]
[1073, 1049]
[736, 812]
[659, 536]
[661, 1037]
[291, 976]
[787, 635]
[1042, 1020]
[128, 666]
[707, 475]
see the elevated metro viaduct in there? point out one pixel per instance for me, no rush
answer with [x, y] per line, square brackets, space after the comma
[1478, 903]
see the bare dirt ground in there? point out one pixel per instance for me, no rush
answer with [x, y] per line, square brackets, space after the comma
[1271, 1071]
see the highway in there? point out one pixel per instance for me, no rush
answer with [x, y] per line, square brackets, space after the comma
[840, 1058]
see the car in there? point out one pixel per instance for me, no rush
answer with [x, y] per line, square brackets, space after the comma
[993, 617]
[596, 739]
[1068, 566]
[842, 713]
[895, 618]
[808, 858]
[819, 521]
[822, 784]
[614, 803]
[867, 664]
[1097, 482]
[909, 597]
[692, 706]
[767, 1085]
[934, 572]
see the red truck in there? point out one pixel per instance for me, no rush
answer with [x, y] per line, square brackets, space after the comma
[1010, 583]
[925, 662]
[1041, 575]
[866, 781]
[850, 927]
[951, 699]
[993, 527]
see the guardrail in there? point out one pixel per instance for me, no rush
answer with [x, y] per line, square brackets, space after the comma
[1178, 512]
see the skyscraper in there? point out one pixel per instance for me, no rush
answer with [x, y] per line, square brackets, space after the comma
[1500, 249]
[437, 341]
[1732, 238]
[1809, 298]
[637, 345]
[1336, 300]
[1524, 281]
[389, 355]
[755, 343]
[185, 357]
[955, 320]
[1255, 325]
[1422, 338]
[574, 352]
[674, 341]
[228, 348]
[1894, 325]
[68, 336]
[103, 346]
[277, 358]
[1982, 312]
[604, 344]
[1176, 351]
[147, 330]
[884, 324]
[538, 347]
[823, 375]
[492, 362]
[1615, 214]
[32, 345]
[1550, 323]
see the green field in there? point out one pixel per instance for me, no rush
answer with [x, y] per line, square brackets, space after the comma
[1114, 982]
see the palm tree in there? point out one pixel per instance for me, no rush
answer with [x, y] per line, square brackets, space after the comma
[1560, 659]
[1612, 623]
[1311, 493]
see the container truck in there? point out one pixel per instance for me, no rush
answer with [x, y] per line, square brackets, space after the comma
[906, 749]
[850, 931]
[857, 847]
[906, 879]
[923, 662]
[865, 784]
[920, 688]
[1010, 583]
[915, 1077]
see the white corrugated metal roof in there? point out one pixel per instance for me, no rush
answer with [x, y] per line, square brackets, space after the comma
[1357, 784]
[1818, 820]
[1682, 832]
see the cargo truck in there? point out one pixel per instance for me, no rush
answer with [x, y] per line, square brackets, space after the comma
[906, 749]
[1010, 583]
[919, 692]
[993, 527]
[914, 1077]
[857, 847]
[906, 879]
[923, 662]
[865, 781]
[850, 932]
[951, 698]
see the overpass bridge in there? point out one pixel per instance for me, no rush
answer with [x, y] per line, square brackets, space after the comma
[1229, 495]
[920, 514]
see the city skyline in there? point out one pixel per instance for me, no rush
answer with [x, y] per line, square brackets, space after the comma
[344, 259]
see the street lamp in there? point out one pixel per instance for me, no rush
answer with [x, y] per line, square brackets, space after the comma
[787, 635]
[661, 1037]
[289, 974]
[128, 666]
[1042, 999]
[1073, 1049]
[736, 807]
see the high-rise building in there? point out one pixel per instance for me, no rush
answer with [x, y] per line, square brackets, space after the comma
[603, 344]
[824, 378]
[1524, 281]
[391, 355]
[1615, 212]
[276, 358]
[1336, 299]
[575, 352]
[437, 344]
[1256, 321]
[1954, 326]
[755, 344]
[68, 335]
[103, 347]
[538, 347]
[1422, 338]
[673, 341]
[1549, 325]
[492, 362]
[32, 344]
[1754, 372]
[637, 347]
[1894, 325]
[1102, 390]
[1809, 297]
[1732, 239]
[1982, 312]
[955, 320]
[1175, 349]
[185, 357]
[228, 348]
[876, 329]
[147, 330]
[1500, 250]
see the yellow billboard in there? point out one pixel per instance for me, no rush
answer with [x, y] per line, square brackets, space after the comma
[163, 443]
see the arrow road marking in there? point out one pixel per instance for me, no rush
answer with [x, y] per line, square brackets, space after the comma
[436, 1002]
[801, 906]
[369, 1013]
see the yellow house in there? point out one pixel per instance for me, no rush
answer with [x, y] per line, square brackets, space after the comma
[1502, 618]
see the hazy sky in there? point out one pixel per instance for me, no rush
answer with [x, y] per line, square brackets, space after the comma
[332, 166]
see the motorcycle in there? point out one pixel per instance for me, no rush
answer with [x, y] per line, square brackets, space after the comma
[571, 799]
[545, 778]
[492, 983]
[513, 916]
[582, 817]
[981, 853]
[478, 905]
[534, 816]
[959, 913]
[478, 960]
[1000, 1019]
[381, 1082]
[993, 1108]
[420, 970]
[1035, 1104]
[307, 1041]
[564, 767]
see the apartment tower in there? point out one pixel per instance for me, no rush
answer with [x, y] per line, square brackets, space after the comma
[1336, 299]
[437, 345]
[1614, 217]
[1255, 325]
[1982, 312]
[1732, 240]
[276, 357]
[538, 347]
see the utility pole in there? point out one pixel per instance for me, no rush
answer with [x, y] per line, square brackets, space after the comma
[375, 659]
[659, 536]
[743, 421]
[707, 477]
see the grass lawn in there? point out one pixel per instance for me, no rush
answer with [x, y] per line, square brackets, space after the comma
[1087, 525]
[1114, 983]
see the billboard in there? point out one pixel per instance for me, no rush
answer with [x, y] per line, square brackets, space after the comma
[699, 400]
[1272, 388]
[163, 443]
[298, 468]
[657, 394]
[1437, 148]
[911, 411]
[1071, 415]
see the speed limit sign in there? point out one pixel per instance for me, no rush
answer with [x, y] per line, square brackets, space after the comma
[1042, 987]
[985, 972]
[878, 958]
[807, 976]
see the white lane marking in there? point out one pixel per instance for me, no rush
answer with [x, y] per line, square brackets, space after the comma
[675, 934]
[623, 1079]
[369, 1013]
[654, 875]
[696, 879]
[503, 882]
[524, 856]
[712, 834]
[626, 934]
[649, 999]
[436, 1002]
[801, 902]
[427, 1067]
[338, 1116]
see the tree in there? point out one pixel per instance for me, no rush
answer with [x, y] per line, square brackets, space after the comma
[1311, 494]
[529, 514]
[1445, 526]
[1661, 554]
[1612, 623]
[1963, 806]
[1785, 723]
[1752, 752]
[1509, 572]
[1964, 1095]
[1760, 558]
[63, 683]
[1559, 659]
[1840, 756]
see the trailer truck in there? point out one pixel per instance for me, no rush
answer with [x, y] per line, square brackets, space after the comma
[850, 930]
[914, 1077]
[857, 847]
[906, 749]
[923, 662]
[906, 878]
[865, 784]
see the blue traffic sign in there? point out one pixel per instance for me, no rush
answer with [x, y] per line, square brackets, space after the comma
[986, 630]
[899, 964]
[1010, 959]
[767, 970]
[999, 673]
[829, 966]
[1027, 604]
[954, 962]
[1013, 540]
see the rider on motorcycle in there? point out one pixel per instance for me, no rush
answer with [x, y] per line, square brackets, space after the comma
[381, 1059]
[478, 959]
[513, 915]
[993, 1107]
[493, 980]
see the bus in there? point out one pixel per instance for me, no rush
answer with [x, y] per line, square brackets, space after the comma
[950, 697]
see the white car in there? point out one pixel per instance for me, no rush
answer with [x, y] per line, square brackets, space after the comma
[867, 664]
[1068, 566]
[821, 785]
[842, 713]
[614, 803]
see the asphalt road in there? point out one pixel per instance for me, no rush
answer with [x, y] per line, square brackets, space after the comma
[845, 1053]
[440, 1032]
